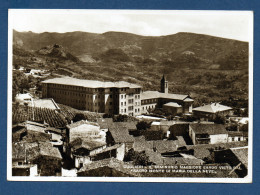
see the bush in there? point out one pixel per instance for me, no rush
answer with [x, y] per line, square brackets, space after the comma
[142, 125]
[79, 117]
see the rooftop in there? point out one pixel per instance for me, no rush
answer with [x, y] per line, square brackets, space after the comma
[31, 151]
[90, 83]
[211, 129]
[87, 144]
[45, 103]
[120, 134]
[242, 154]
[79, 123]
[111, 163]
[157, 94]
[212, 108]
[173, 104]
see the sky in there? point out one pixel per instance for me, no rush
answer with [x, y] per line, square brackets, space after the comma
[228, 24]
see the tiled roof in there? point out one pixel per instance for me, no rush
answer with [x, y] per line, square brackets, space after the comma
[242, 154]
[128, 125]
[212, 108]
[157, 94]
[211, 129]
[111, 163]
[120, 134]
[33, 126]
[87, 144]
[202, 150]
[31, 151]
[182, 161]
[105, 123]
[108, 149]
[90, 83]
[161, 146]
[82, 122]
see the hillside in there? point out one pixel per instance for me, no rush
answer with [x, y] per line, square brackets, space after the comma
[207, 49]
[201, 65]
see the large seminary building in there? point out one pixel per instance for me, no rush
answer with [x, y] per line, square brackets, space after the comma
[96, 96]
[111, 97]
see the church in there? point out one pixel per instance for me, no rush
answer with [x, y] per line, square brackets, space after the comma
[173, 103]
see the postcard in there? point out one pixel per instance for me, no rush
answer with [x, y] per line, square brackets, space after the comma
[130, 95]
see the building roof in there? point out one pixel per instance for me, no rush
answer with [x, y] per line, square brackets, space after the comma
[130, 126]
[120, 134]
[87, 144]
[33, 126]
[161, 146]
[111, 163]
[105, 123]
[90, 83]
[242, 154]
[45, 103]
[79, 123]
[107, 149]
[55, 130]
[237, 133]
[182, 161]
[211, 129]
[202, 150]
[31, 151]
[212, 108]
[24, 96]
[173, 104]
[157, 94]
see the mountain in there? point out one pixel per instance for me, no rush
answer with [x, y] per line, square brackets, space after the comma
[183, 48]
[207, 67]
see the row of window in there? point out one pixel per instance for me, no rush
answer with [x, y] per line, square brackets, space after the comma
[124, 110]
[149, 101]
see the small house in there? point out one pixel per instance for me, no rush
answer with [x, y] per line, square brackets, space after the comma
[208, 133]
[172, 108]
[44, 155]
[210, 111]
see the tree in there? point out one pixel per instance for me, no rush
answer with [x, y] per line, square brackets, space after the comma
[244, 128]
[220, 119]
[108, 115]
[143, 125]
[79, 117]
[120, 118]
[131, 155]
[141, 159]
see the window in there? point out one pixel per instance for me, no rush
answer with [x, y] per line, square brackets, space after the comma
[122, 96]
[122, 103]
[125, 103]
[110, 96]
[239, 139]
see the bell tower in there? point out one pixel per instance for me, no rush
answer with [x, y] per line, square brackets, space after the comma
[164, 85]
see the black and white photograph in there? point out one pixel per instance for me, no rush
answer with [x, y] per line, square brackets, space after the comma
[130, 95]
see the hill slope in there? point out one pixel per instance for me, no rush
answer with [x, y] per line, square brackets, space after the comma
[209, 68]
